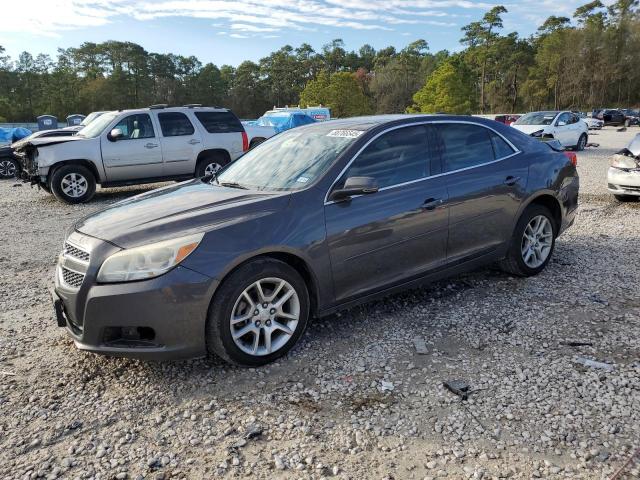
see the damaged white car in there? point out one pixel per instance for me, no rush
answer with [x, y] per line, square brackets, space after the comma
[623, 177]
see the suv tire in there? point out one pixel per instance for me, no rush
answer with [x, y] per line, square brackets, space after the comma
[582, 142]
[211, 164]
[73, 184]
[247, 301]
[532, 243]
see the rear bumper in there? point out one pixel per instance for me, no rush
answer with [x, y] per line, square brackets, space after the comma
[621, 182]
[159, 319]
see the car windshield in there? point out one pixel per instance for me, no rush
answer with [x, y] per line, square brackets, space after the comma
[96, 127]
[537, 118]
[291, 160]
[90, 118]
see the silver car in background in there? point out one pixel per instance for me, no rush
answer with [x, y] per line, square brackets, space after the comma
[623, 177]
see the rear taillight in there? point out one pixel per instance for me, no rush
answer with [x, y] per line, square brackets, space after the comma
[573, 158]
[245, 141]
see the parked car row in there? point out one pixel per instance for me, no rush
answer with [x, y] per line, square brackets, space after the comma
[617, 117]
[317, 219]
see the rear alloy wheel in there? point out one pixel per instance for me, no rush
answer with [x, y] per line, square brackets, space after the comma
[532, 243]
[73, 184]
[258, 314]
[8, 168]
[582, 142]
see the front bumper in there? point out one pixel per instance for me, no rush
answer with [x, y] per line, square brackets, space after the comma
[623, 182]
[158, 319]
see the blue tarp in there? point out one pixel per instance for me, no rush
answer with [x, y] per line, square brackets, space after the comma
[10, 135]
[282, 121]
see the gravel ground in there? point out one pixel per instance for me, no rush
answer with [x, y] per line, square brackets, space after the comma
[355, 399]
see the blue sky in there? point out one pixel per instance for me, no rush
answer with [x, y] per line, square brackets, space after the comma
[228, 32]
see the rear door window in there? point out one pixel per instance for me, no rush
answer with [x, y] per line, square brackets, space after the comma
[175, 124]
[219, 122]
[465, 145]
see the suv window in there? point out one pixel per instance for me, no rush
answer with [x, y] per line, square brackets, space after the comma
[465, 145]
[219, 122]
[136, 126]
[175, 124]
[395, 157]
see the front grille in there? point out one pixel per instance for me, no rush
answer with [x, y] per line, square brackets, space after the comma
[71, 278]
[75, 252]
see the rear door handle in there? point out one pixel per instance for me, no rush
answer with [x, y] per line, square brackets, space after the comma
[151, 145]
[511, 180]
[193, 141]
[431, 203]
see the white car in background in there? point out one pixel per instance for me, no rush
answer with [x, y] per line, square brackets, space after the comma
[623, 177]
[564, 126]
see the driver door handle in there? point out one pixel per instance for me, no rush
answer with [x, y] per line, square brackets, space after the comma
[151, 145]
[193, 141]
[511, 180]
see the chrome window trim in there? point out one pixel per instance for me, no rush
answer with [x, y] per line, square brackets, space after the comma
[516, 151]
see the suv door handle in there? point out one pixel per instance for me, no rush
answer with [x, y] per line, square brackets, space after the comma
[511, 180]
[431, 203]
[193, 141]
[151, 145]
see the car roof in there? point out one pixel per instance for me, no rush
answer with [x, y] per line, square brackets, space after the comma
[372, 121]
[173, 109]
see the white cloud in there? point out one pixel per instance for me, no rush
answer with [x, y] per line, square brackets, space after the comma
[50, 17]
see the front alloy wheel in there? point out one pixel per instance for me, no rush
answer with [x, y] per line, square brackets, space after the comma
[265, 316]
[258, 313]
[8, 168]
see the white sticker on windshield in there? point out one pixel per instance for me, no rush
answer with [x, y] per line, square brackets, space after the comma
[345, 133]
[302, 179]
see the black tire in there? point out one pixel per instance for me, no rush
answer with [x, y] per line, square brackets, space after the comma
[86, 183]
[626, 198]
[255, 142]
[218, 330]
[218, 159]
[9, 168]
[582, 142]
[514, 262]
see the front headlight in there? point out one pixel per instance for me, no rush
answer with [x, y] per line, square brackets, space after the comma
[147, 261]
[625, 162]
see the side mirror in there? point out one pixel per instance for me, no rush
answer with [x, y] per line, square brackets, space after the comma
[115, 134]
[561, 123]
[355, 186]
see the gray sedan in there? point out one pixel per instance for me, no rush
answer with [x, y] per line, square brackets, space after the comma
[314, 220]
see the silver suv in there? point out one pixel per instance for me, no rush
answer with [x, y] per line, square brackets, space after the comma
[130, 147]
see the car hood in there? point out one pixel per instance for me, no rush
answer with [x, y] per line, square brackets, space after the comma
[178, 210]
[634, 146]
[44, 141]
[529, 129]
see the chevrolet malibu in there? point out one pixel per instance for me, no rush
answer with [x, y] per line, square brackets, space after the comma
[314, 220]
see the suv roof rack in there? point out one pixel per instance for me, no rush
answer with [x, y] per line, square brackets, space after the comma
[158, 106]
[193, 105]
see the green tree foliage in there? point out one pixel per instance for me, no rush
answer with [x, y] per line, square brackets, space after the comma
[587, 61]
[448, 89]
[341, 91]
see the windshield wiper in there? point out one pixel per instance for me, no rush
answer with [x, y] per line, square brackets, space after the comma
[233, 185]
